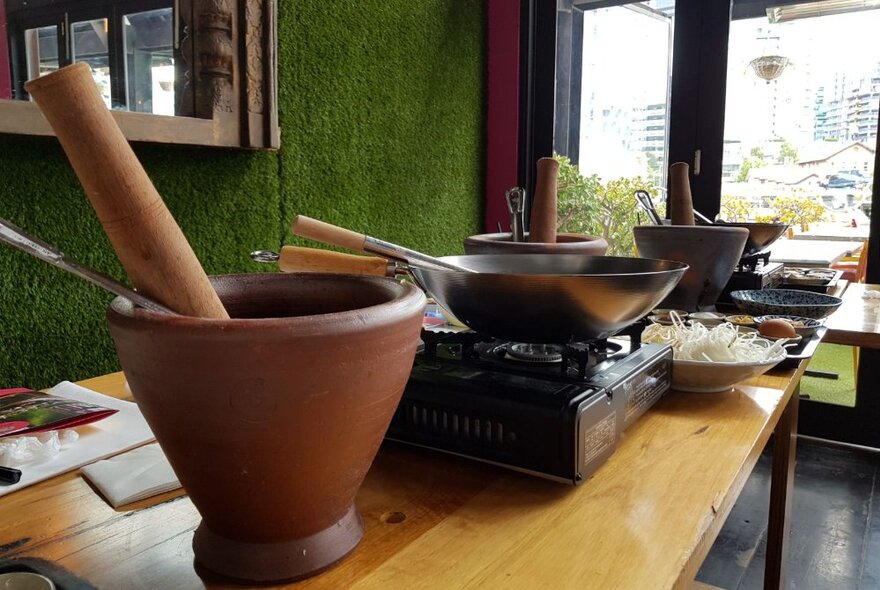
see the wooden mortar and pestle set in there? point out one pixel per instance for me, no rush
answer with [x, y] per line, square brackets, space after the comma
[711, 251]
[542, 237]
[246, 386]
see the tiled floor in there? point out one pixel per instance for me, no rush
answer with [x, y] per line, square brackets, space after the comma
[835, 526]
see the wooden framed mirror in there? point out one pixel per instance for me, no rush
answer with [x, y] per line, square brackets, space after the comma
[210, 71]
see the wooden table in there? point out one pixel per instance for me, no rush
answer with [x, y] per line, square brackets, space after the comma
[645, 520]
[857, 321]
[834, 231]
[818, 253]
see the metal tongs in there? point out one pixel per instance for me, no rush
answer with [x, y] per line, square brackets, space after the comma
[516, 204]
[645, 202]
[18, 238]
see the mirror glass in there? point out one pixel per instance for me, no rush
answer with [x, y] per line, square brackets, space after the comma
[129, 45]
[196, 72]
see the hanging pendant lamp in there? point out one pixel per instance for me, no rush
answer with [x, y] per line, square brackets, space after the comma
[769, 67]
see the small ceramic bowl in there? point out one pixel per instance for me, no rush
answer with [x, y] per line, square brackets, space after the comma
[805, 327]
[805, 304]
[741, 320]
[707, 318]
[789, 341]
[667, 313]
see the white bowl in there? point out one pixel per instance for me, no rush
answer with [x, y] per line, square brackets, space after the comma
[712, 377]
[707, 318]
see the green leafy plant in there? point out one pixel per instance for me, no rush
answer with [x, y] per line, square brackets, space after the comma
[587, 206]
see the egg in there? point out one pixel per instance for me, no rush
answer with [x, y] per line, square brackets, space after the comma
[777, 328]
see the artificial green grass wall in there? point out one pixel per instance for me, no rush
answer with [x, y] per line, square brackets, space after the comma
[383, 122]
[381, 107]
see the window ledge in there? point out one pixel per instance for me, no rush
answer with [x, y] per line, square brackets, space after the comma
[25, 118]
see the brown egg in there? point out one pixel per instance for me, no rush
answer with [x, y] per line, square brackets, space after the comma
[777, 329]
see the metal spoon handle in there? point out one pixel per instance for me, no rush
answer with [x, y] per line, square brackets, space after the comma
[703, 218]
[18, 238]
[516, 200]
[644, 200]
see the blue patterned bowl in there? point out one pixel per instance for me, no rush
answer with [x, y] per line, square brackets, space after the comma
[804, 326]
[805, 304]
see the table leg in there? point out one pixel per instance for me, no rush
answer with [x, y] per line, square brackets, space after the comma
[781, 487]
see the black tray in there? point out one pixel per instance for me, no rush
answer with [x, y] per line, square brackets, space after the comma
[63, 579]
[804, 349]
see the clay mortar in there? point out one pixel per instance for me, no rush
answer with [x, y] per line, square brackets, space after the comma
[711, 252]
[271, 419]
[566, 243]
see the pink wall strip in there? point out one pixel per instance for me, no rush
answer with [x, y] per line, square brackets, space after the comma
[5, 70]
[502, 129]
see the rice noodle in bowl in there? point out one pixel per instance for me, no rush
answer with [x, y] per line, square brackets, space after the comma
[713, 359]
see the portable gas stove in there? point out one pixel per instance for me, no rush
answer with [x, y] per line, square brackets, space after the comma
[754, 272]
[556, 411]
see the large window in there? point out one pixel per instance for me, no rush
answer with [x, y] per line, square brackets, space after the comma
[128, 45]
[801, 115]
[774, 104]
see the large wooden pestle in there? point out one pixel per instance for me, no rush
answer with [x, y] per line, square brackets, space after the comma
[542, 224]
[681, 202]
[152, 248]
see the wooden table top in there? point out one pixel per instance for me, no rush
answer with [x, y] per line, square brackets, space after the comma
[646, 519]
[821, 253]
[857, 321]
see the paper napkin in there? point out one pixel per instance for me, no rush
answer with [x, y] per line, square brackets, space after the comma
[133, 476]
[120, 432]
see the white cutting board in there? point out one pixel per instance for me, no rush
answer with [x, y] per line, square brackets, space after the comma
[124, 430]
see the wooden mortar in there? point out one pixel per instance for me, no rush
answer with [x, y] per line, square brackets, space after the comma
[149, 243]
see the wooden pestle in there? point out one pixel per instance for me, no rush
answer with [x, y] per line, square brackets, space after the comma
[542, 225]
[151, 246]
[681, 202]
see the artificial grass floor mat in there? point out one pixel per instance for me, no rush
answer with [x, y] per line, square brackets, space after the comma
[834, 358]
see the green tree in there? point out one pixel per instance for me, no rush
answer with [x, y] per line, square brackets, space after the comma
[736, 209]
[788, 153]
[587, 206]
[744, 170]
[758, 154]
[795, 209]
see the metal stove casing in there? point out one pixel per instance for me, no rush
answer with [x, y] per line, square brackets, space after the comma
[765, 276]
[557, 429]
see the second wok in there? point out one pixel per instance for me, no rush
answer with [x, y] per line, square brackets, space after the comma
[550, 298]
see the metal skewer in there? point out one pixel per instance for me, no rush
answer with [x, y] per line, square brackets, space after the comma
[18, 238]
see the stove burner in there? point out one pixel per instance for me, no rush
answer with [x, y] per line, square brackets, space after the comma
[569, 362]
[534, 353]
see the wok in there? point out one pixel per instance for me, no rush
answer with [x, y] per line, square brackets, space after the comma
[761, 235]
[550, 298]
[541, 298]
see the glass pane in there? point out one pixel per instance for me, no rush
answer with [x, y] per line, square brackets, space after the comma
[801, 121]
[149, 61]
[803, 92]
[89, 44]
[615, 95]
[626, 77]
[41, 51]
